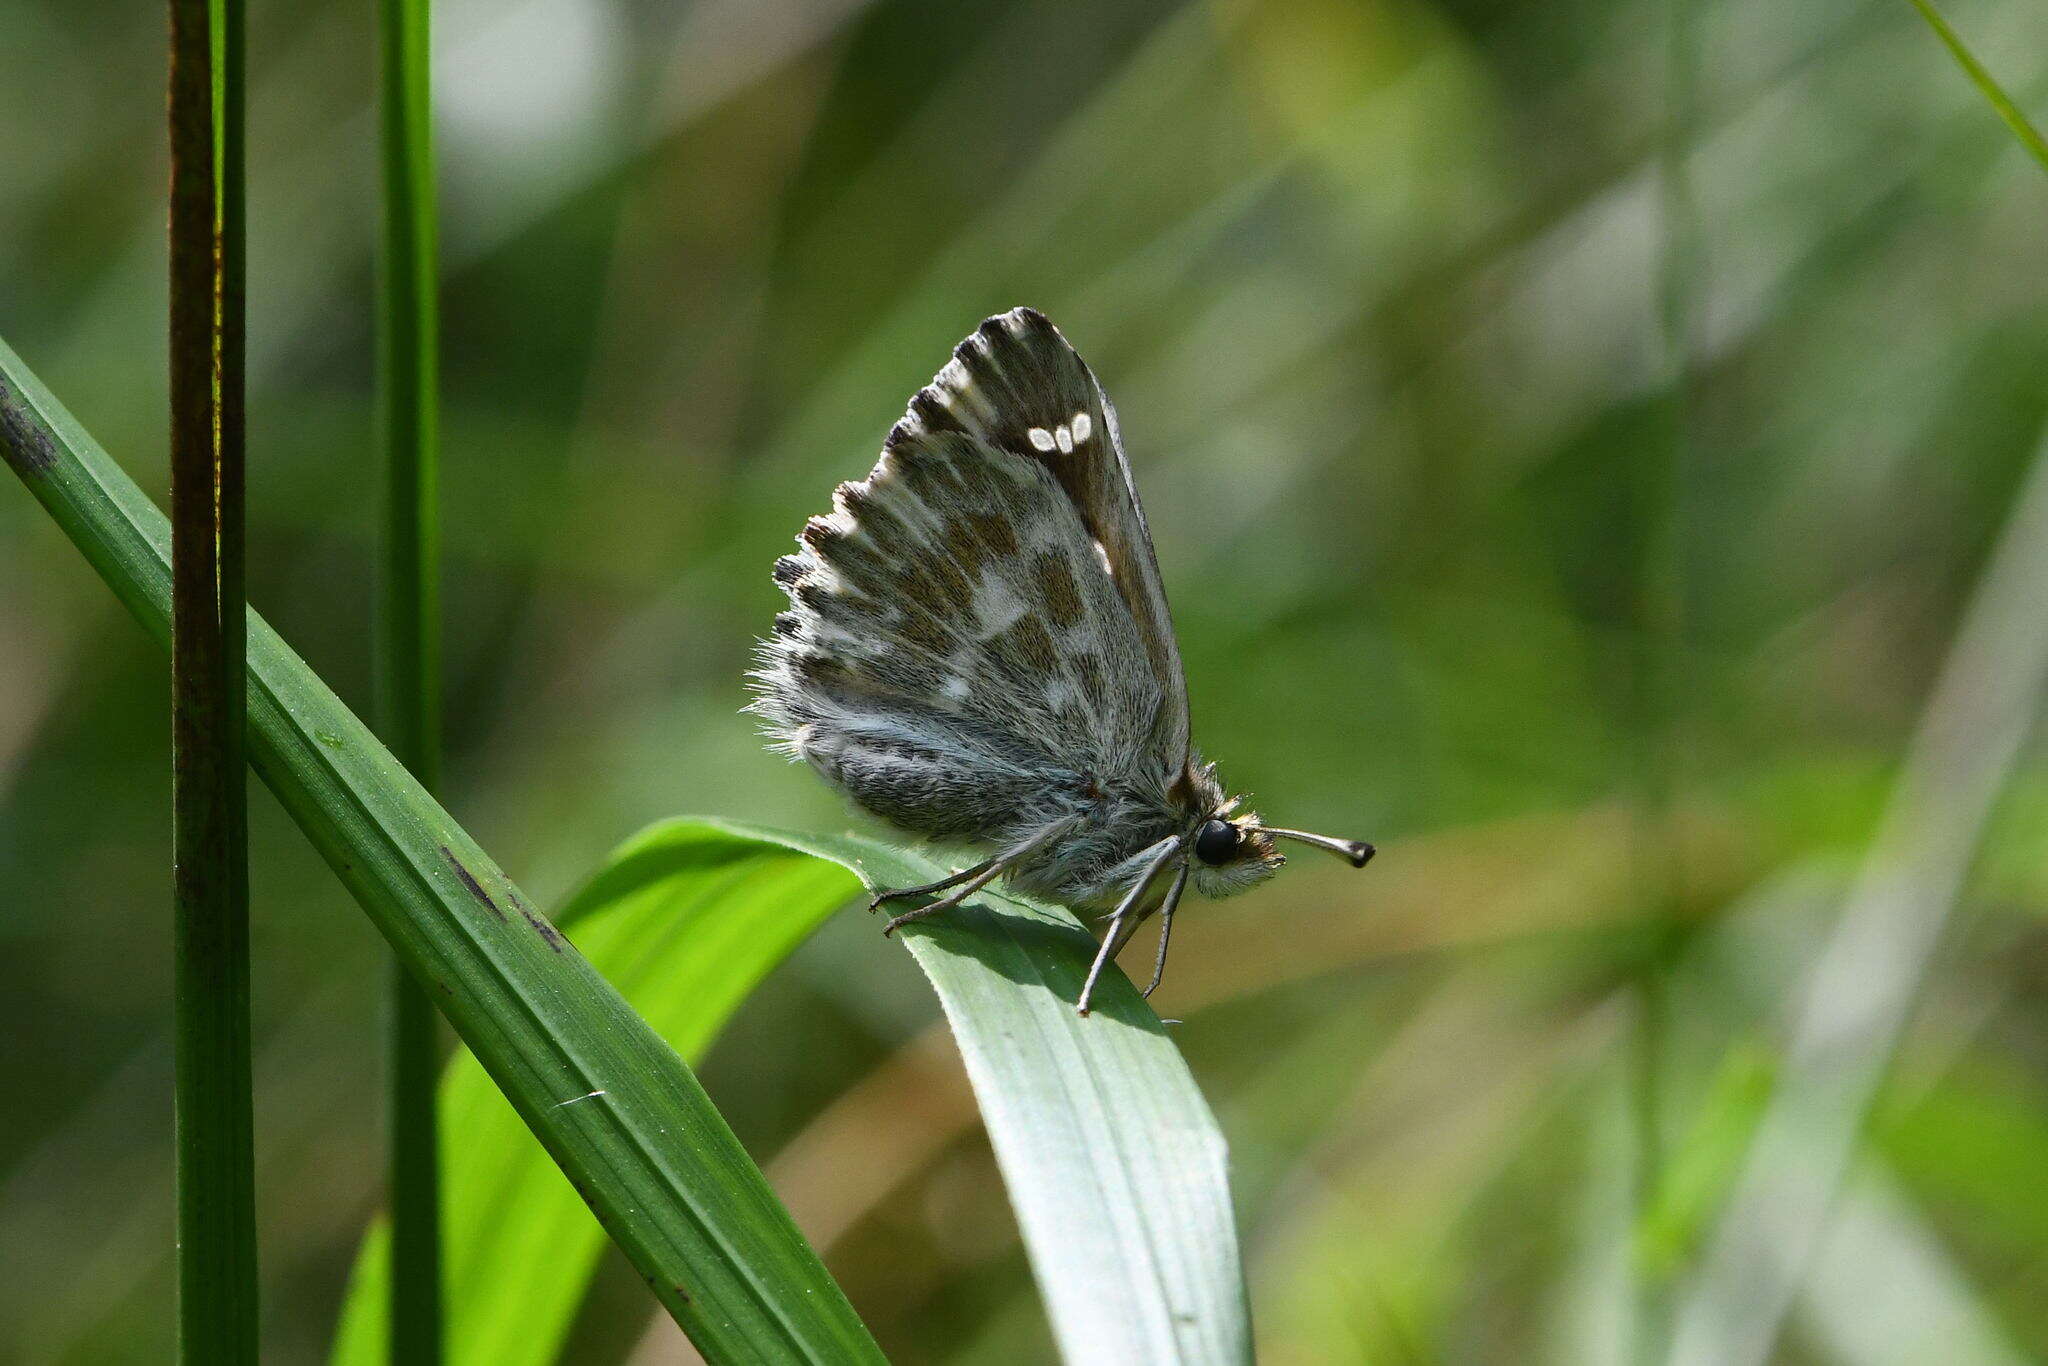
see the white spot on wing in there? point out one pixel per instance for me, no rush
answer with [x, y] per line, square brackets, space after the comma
[1083, 426]
[1041, 438]
[997, 607]
[1065, 439]
[956, 688]
[1102, 558]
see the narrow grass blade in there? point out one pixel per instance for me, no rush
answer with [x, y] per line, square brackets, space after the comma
[209, 785]
[1987, 85]
[684, 919]
[408, 681]
[651, 1155]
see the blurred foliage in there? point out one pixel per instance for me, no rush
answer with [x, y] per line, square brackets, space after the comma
[1572, 432]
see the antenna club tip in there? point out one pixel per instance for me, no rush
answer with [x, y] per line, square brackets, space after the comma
[1361, 853]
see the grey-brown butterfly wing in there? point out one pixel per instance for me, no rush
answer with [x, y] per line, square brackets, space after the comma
[976, 643]
[1016, 385]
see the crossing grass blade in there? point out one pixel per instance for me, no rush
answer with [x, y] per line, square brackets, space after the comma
[650, 1154]
[684, 919]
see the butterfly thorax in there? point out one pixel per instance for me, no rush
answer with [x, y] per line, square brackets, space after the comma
[1113, 825]
[1116, 825]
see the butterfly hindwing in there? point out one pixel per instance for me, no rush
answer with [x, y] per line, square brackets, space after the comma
[955, 591]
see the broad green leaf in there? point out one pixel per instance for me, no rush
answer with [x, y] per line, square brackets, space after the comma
[649, 1152]
[1113, 1161]
[684, 919]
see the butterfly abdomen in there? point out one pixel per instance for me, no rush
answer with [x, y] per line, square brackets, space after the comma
[940, 785]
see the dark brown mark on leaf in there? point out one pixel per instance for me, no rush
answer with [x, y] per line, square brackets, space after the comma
[540, 923]
[469, 880]
[537, 920]
[24, 442]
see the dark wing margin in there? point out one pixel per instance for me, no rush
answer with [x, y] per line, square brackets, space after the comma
[1016, 384]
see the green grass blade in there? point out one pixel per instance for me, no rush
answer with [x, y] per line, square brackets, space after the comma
[684, 919]
[408, 674]
[656, 1161]
[217, 1286]
[1114, 1163]
[1987, 86]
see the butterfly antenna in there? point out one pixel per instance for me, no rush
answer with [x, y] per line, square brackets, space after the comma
[1358, 851]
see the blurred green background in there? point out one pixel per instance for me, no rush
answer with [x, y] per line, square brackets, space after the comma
[1576, 437]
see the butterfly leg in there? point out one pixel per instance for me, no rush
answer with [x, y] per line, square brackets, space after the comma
[1166, 910]
[980, 875]
[897, 893]
[977, 880]
[1126, 916]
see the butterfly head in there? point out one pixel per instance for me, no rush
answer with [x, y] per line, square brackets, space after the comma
[1232, 850]
[1232, 854]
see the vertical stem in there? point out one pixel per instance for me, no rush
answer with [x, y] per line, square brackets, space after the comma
[215, 1127]
[407, 641]
[1665, 507]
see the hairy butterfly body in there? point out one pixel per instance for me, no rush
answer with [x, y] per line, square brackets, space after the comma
[978, 651]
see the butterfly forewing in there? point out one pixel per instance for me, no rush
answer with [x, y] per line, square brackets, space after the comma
[1017, 385]
[976, 638]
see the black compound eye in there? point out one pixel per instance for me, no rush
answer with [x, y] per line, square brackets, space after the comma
[1217, 843]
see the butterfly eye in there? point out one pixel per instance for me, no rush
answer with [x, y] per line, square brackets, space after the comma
[1216, 843]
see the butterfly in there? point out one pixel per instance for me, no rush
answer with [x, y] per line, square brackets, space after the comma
[978, 651]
